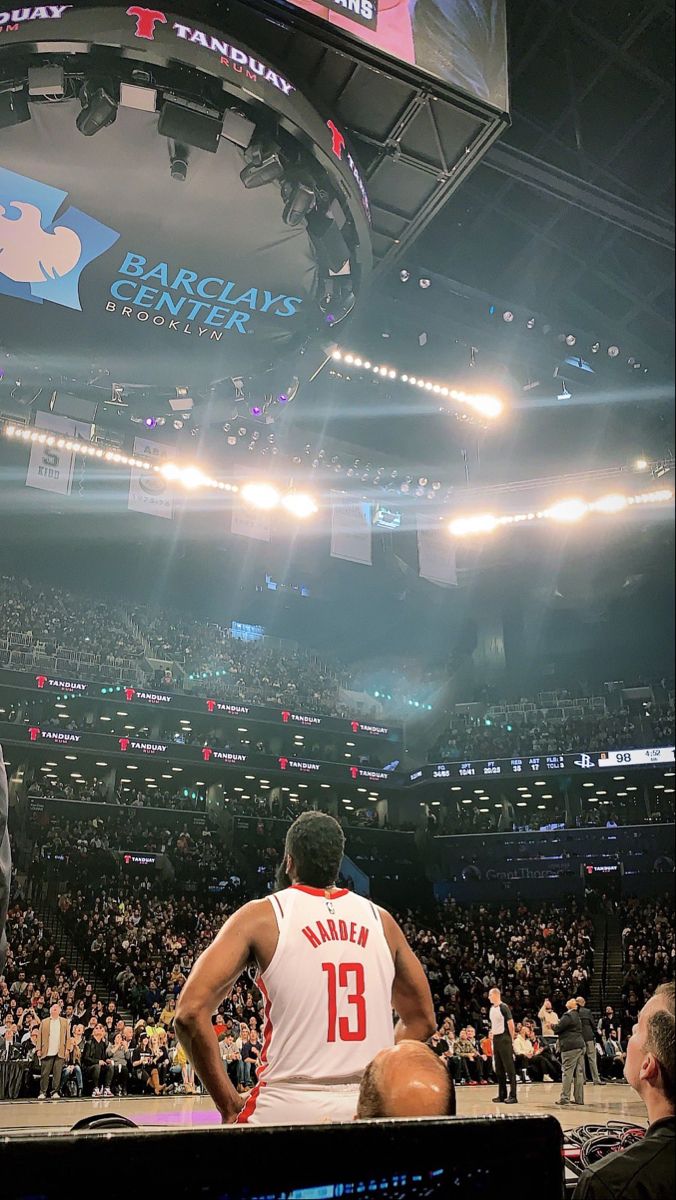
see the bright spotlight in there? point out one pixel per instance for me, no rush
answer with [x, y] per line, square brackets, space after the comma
[191, 477]
[610, 504]
[170, 471]
[482, 523]
[299, 504]
[260, 495]
[568, 510]
[487, 406]
[641, 464]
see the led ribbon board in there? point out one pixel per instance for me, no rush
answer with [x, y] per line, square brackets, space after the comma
[129, 236]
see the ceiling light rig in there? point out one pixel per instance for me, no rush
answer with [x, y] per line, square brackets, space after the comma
[483, 404]
[260, 495]
[567, 511]
[187, 475]
[521, 320]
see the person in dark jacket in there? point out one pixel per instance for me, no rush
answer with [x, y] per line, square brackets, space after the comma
[572, 1047]
[589, 1040]
[646, 1170]
[98, 1068]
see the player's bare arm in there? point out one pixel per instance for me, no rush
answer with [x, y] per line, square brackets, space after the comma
[249, 934]
[411, 995]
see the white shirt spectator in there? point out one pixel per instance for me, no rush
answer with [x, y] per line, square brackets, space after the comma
[54, 1035]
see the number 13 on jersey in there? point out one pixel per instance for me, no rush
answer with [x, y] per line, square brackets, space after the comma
[350, 978]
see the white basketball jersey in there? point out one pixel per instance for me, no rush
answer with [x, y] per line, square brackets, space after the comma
[328, 989]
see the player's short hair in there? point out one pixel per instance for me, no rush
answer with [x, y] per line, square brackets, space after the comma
[316, 844]
[660, 1038]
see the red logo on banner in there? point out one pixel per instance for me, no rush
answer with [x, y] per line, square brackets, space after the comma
[354, 726]
[283, 762]
[286, 716]
[206, 753]
[41, 680]
[211, 704]
[146, 20]
[337, 140]
[354, 772]
[34, 732]
[129, 693]
[124, 743]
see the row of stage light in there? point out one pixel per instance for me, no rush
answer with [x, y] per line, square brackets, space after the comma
[258, 495]
[482, 404]
[266, 497]
[565, 512]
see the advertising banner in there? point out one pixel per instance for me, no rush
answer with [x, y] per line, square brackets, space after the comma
[148, 491]
[462, 42]
[436, 556]
[190, 703]
[350, 529]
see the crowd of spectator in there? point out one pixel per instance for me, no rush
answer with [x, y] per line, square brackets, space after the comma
[530, 953]
[56, 623]
[483, 738]
[257, 670]
[60, 620]
[96, 791]
[258, 673]
[648, 951]
[96, 849]
[142, 940]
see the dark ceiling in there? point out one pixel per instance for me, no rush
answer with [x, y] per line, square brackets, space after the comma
[565, 220]
[570, 214]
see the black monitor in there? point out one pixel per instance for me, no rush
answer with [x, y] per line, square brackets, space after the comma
[484, 1158]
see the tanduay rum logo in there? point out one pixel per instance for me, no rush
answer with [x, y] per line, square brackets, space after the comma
[42, 256]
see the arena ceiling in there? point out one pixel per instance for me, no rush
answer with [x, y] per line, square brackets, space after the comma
[566, 222]
[570, 213]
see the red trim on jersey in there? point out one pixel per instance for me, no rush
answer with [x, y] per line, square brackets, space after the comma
[263, 1057]
[273, 897]
[311, 891]
[250, 1106]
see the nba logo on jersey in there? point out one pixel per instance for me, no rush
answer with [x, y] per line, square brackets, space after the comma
[330, 908]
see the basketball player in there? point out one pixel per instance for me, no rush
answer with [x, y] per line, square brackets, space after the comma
[331, 966]
[502, 1037]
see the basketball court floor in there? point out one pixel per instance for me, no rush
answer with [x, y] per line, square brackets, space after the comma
[615, 1101]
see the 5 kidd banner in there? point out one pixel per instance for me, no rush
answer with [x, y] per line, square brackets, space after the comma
[148, 491]
[50, 468]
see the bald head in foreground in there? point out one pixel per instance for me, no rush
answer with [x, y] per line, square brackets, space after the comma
[407, 1080]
